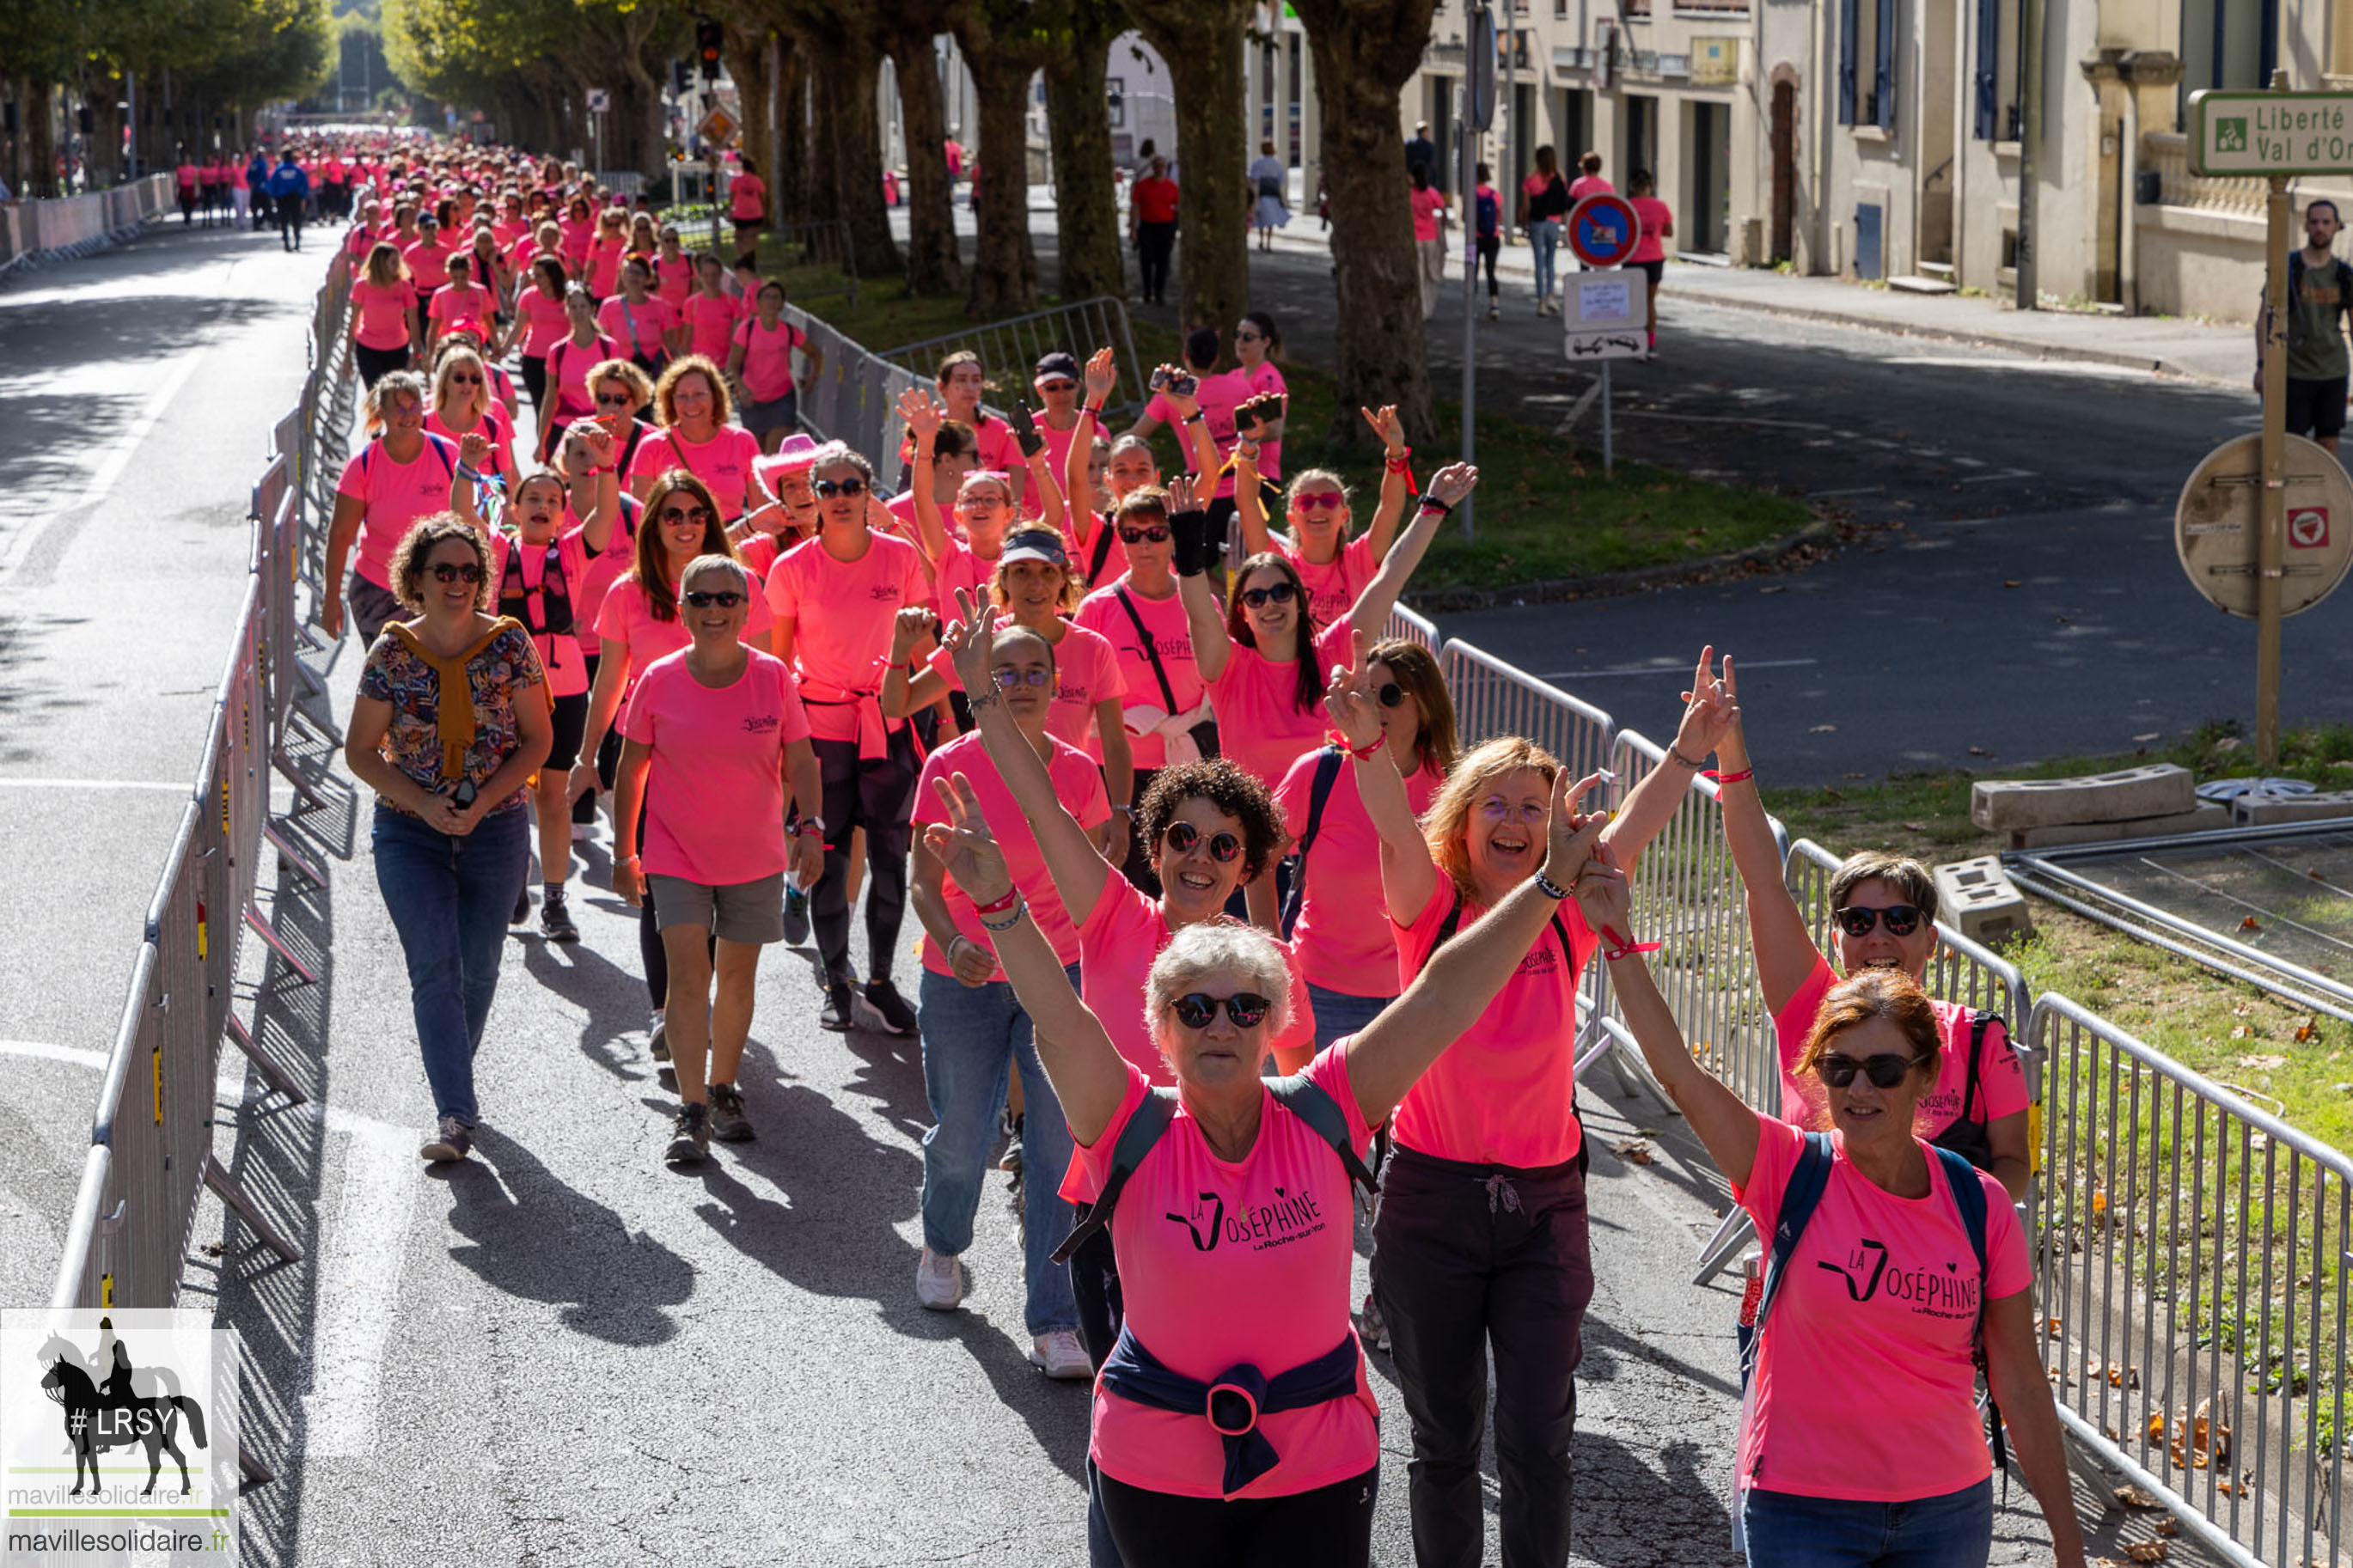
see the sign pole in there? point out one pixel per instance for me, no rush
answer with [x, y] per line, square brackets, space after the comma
[2273, 524]
[1469, 140]
[1609, 456]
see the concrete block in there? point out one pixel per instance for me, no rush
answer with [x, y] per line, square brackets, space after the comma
[2003, 805]
[1980, 901]
[2209, 816]
[2254, 810]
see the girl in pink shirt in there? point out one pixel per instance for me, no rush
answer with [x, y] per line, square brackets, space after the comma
[463, 407]
[458, 301]
[570, 358]
[639, 622]
[673, 269]
[1334, 568]
[1452, 1277]
[602, 263]
[712, 732]
[541, 319]
[383, 315]
[1658, 221]
[1861, 1417]
[760, 357]
[403, 474]
[642, 324]
[693, 406]
[1213, 1296]
[711, 311]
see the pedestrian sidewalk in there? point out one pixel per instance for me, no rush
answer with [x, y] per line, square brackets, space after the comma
[2217, 356]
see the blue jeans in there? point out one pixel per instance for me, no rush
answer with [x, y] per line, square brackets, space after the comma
[449, 899]
[973, 1036]
[1543, 234]
[1955, 1530]
[1338, 1014]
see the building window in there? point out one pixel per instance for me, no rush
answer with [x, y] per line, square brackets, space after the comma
[2227, 43]
[1996, 115]
[1866, 87]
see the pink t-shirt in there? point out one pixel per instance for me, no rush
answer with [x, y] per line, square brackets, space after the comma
[710, 325]
[568, 365]
[1339, 948]
[1586, 186]
[606, 569]
[1078, 784]
[383, 313]
[1223, 1263]
[638, 328]
[747, 198]
[543, 321]
[1504, 1093]
[841, 613]
[1086, 671]
[715, 794]
[960, 568]
[604, 260]
[1655, 216]
[1099, 530]
[1172, 636]
[494, 424]
[1427, 206]
[428, 266]
[1333, 587]
[1217, 396]
[628, 618]
[535, 584]
[724, 463]
[767, 356]
[396, 495]
[674, 279]
[1261, 725]
[2001, 1083]
[1867, 1354]
[1118, 939]
[451, 303]
[1256, 379]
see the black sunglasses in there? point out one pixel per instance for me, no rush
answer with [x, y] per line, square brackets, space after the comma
[701, 515]
[1195, 1008]
[1856, 919]
[1886, 1069]
[1156, 534]
[830, 488]
[1259, 598]
[450, 572]
[614, 400]
[1391, 694]
[723, 598]
[1181, 836]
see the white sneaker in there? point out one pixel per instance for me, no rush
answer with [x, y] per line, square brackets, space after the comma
[1062, 1356]
[941, 1282]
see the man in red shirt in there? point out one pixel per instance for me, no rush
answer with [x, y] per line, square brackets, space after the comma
[1152, 225]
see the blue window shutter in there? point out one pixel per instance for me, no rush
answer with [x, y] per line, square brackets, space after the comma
[1885, 80]
[1989, 49]
[1849, 17]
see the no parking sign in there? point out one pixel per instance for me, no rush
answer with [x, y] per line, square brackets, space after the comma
[1603, 230]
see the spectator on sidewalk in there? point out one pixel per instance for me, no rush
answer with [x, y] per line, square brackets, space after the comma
[1269, 210]
[1544, 202]
[2320, 294]
[1487, 215]
[1421, 152]
[1152, 225]
[1658, 223]
[1429, 206]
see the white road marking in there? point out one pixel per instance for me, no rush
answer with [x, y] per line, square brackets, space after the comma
[2044, 367]
[1683, 670]
[1999, 475]
[97, 785]
[42, 1050]
[359, 1287]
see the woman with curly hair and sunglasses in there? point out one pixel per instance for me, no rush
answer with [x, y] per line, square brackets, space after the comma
[1882, 916]
[451, 835]
[1481, 1244]
[1271, 1320]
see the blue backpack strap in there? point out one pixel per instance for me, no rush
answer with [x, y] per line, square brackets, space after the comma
[1145, 1126]
[1808, 1181]
[1969, 1198]
[1327, 773]
[1309, 1103]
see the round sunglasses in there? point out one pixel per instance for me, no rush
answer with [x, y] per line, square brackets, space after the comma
[452, 572]
[1194, 1009]
[1857, 919]
[1181, 836]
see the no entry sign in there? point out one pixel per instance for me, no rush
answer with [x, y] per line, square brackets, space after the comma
[1603, 230]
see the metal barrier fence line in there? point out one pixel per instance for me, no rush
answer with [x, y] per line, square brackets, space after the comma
[2192, 1272]
[855, 397]
[1411, 625]
[1007, 350]
[37, 231]
[1491, 699]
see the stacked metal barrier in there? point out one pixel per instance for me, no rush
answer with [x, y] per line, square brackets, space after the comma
[854, 397]
[1008, 349]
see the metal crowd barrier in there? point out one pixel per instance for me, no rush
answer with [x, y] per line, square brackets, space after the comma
[1491, 699]
[2192, 1275]
[1008, 349]
[37, 232]
[854, 398]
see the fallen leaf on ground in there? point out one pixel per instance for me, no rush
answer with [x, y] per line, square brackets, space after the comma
[2147, 1551]
[2242, 1032]
[2309, 1029]
[1980, 752]
[2010, 582]
[2262, 1064]
[1637, 1150]
[2134, 1497]
[2169, 1527]
[1822, 729]
[2251, 923]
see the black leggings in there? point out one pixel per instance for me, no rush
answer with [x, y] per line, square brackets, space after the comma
[878, 795]
[1154, 244]
[1489, 245]
[374, 363]
[1331, 1527]
[534, 381]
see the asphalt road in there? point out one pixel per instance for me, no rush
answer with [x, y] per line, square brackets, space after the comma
[563, 1352]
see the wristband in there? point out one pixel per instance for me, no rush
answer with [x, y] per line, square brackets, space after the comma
[1126, 811]
[1697, 767]
[1094, 410]
[1195, 417]
[1366, 753]
[1617, 947]
[1431, 503]
[1019, 910]
[1550, 888]
[1742, 776]
[998, 907]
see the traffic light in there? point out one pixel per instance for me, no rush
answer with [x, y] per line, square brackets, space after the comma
[677, 79]
[709, 37]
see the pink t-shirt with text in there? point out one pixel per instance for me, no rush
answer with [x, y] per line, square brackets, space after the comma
[1172, 636]
[397, 495]
[1261, 725]
[1078, 784]
[1867, 1354]
[715, 795]
[2001, 1082]
[767, 357]
[1339, 948]
[841, 613]
[724, 463]
[1225, 1263]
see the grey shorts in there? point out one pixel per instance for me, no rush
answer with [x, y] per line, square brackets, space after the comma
[748, 912]
[776, 414]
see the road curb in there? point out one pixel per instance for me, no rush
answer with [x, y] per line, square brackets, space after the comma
[1772, 554]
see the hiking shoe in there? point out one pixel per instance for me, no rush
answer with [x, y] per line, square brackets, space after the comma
[690, 1136]
[797, 916]
[1012, 1159]
[1060, 1356]
[883, 999]
[658, 1042]
[452, 1140]
[941, 1282]
[522, 907]
[840, 1005]
[556, 920]
[728, 1122]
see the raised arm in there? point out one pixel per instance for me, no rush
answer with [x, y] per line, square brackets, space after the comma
[1088, 1077]
[1078, 869]
[1041, 471]
[902, 692]
[923, 416]
[605, 513]
[1709, 713]
[1447, 486]
[1395, 475]
[465, 474]
[1726, 1125]
[1408, 872]
[1455, 986]
[1102, 375]
[1249, 502]
[1786, 954]
[1189, 527]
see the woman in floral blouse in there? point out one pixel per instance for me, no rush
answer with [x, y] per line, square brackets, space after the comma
[452, 839]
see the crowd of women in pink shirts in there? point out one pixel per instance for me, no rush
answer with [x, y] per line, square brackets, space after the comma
[1214, 903]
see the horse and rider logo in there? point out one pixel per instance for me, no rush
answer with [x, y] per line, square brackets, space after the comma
[105, 1400]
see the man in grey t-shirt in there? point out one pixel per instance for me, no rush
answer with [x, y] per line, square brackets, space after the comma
[2319, 295]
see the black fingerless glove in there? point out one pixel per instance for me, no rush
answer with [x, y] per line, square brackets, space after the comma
[1189, 531]
[1025, 431]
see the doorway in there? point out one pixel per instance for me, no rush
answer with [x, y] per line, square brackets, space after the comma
[1641, 140]
[1785, 168]
[1708, 193]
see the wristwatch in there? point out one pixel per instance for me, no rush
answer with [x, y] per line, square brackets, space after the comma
[812, 825]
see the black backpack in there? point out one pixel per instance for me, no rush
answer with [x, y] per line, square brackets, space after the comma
[1327, 773]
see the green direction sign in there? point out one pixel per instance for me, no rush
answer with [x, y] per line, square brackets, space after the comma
[2271, 133]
